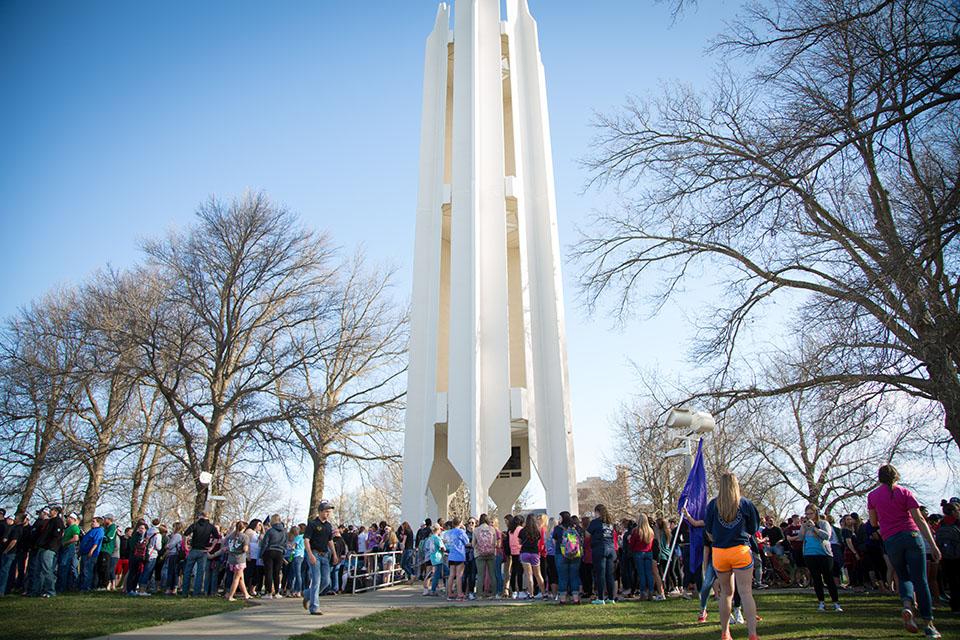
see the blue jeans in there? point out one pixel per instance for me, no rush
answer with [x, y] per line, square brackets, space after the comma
[498, 574]
[406, 562]
[295, 583]
[196, 561]
[568, 575]
[603, 583]
[439, 570]
[643, 561]
[6, 561]
[88, 567]
[335, 572]
[708, 579]
[67, 568]
[47, 573]
[908, 555]
[211, 581]
[147, 573]
[319, 580]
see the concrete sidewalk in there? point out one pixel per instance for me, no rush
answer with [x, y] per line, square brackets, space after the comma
[280, 619]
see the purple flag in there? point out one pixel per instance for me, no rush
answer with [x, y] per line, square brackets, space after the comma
[694, 494]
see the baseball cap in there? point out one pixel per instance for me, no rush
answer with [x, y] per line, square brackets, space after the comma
[109, 516]
[324, 505]
[73, 515]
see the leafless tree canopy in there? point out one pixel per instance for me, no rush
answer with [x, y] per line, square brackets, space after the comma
[827, 172]
[239, 342]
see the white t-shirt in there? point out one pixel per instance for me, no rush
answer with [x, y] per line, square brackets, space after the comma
[362, 542]
[253, 539]
[173, 543]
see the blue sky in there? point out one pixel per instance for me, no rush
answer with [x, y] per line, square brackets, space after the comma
[118, 118]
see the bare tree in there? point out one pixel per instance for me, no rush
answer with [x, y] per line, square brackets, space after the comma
[830, 173]
[346, 403]
[224, 319]
[40, 351]
[826, 445]
[153, 422]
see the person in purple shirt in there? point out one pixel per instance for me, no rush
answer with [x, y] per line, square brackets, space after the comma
[903, 528]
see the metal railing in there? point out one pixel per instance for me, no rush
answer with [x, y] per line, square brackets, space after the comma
[371, 564]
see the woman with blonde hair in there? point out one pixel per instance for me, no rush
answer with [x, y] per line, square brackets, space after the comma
[731, 521]
[641, 547]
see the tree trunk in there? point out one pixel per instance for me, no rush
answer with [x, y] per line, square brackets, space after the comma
[36, 467]
[316, 486]
[92, 494]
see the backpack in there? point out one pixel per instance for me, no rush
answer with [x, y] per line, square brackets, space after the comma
[948, 539]
[570, 544]
[140, 549]
[436, 551]
[486, 542]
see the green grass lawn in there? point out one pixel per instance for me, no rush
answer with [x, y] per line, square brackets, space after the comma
[785, 616]
[75, 616]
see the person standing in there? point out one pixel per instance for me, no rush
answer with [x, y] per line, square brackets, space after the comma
[601, 533]
[569, 549]
[67, 562]
[818, 555]
[199, 539]
[948, 539]
[171, 559]
[731, 521]
[896, 513]
[272, 545]
[236, 547]
[106, 562]
[8, 552]
[641, 549]
[89, 552]
[485, 541]
[48, 545]
[319, 552]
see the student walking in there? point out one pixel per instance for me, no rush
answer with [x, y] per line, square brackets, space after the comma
[896, 512]
[731, 521]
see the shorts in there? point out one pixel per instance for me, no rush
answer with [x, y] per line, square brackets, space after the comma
[533, 559]
[122, 566]
[456, 563]
[726, 560]
[237, 568]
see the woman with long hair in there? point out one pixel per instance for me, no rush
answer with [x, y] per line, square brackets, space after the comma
[818, 555]
[896, 513]
[548, 558]
[530, 536]
[731, 521]
[601, 541]
[641, 547]
[236, 546]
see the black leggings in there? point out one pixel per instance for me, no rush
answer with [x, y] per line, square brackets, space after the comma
[272, 563]
[516, 574]
[821, 570]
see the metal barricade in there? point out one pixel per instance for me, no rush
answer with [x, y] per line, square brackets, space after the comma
[371, 565]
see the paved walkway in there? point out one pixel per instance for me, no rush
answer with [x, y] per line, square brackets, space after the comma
[280, 619]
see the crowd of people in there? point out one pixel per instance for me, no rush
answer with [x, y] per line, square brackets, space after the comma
[899, 547]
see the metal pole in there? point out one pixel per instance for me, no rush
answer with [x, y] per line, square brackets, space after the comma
[676, 536]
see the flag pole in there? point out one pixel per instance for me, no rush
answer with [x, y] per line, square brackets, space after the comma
[676, 536]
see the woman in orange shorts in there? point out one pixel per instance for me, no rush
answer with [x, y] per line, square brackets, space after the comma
[731, 521]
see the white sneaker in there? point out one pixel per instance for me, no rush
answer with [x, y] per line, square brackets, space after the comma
[471, 596]
[278, 597]
[737, 617]
[821, 607]
[837, 608]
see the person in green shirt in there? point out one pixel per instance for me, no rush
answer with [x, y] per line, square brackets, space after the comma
[67, 561]
[106, 563]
